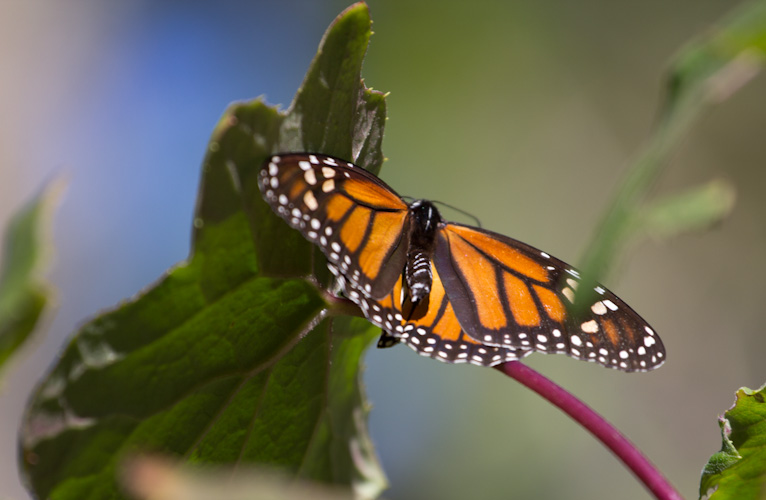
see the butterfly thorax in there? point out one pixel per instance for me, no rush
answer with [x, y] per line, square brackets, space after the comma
[424, 220]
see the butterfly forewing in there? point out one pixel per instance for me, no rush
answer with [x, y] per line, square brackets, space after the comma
[529, 308]
[357, 221]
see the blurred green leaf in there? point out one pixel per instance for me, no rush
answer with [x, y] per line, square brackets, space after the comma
[695, 209]
[231, 357]
[23, 293]
[706, 72]
[738, 471]
[715, 66]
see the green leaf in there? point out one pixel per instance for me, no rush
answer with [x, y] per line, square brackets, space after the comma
[706, 72]
[695, 209]
[23, 293]
[738, 471]
[715, 66]
[231, 358]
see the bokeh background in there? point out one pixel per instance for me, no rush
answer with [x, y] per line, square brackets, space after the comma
[525, 114]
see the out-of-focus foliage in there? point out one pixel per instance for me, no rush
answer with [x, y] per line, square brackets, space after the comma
[706, 72]
[23, 294]
[230, 358]
[738, 471]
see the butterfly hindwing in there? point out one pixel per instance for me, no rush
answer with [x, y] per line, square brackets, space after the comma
[358, 222]
[529, 308]
[431, 328]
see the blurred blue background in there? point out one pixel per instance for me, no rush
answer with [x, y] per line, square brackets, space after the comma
[522, 113]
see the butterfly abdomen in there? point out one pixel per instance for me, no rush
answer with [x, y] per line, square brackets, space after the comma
[425, 219]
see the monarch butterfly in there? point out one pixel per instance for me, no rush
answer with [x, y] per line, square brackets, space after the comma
[451, 292]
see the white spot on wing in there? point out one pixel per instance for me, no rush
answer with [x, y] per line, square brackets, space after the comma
[573, 273]
[589, 326]
[598, 308]
[309, 200]
[310, 176]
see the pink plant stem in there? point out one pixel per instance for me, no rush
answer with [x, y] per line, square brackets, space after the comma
[626, 451]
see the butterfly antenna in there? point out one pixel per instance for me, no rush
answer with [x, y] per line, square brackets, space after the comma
[461, 211]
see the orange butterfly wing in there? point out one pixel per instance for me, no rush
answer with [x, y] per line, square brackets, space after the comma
[431, 329]
[358, 222]
[508, 294]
